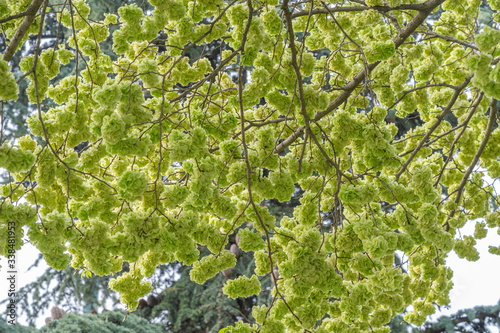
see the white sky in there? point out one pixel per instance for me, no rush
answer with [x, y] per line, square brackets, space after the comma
[475, 283]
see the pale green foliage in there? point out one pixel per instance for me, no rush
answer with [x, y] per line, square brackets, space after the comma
[107, 96]
[4, 9]
[16, 160]
[210, 265]
[132, 185]
[20, 215]
[242, 287]
[487, 39]
[250, 240]
[379, 51]
[113, 128]
[179, 156]
[131, 287]
[8, 87]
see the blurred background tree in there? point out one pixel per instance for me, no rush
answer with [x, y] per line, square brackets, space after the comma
[480, 319]
[107, 322]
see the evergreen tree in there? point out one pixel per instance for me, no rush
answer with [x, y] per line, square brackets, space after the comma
[106, 322]
[479, 319]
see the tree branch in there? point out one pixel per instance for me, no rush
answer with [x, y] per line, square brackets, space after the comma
[30, 14]
[425, 9]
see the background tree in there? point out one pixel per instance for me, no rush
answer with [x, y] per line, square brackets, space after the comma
[476, 320]
[480, 319]
[106, 322]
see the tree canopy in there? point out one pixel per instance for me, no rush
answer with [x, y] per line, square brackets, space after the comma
[148, 152]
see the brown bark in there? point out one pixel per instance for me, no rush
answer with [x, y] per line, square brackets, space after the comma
[23, 28]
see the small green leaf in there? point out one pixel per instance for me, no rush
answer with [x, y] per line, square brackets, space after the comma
[87, 273]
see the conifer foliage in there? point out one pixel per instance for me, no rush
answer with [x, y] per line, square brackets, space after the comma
[106, 322]
[181, 151]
